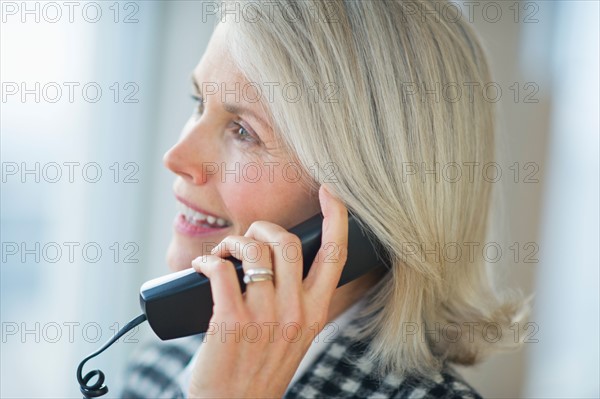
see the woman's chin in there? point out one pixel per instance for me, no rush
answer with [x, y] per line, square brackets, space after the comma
[184, 249]
[179, 257]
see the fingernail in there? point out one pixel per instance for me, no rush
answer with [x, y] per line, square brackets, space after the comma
[199, 260]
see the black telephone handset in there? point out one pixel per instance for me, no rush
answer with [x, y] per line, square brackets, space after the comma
[180, 304]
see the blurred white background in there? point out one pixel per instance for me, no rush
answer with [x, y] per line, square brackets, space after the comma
[61, 298]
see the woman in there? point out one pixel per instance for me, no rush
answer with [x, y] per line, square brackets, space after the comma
[333, 106]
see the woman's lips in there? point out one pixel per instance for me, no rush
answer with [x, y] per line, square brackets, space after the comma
[199, 216]
[193, 221]
[188, 228]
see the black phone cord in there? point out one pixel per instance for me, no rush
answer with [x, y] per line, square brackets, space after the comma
[98, 388]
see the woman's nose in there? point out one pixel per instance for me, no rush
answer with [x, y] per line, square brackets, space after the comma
[192, 156]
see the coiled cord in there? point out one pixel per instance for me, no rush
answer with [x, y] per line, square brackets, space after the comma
[98, 388]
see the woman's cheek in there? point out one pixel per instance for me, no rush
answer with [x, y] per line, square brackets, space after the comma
[245, 203]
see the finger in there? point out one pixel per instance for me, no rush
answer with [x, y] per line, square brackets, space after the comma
[224, 285]
[253, 254]
[287, 259]
[326, 270]
[251, 251]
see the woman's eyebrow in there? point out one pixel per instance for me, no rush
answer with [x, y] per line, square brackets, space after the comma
[232, 108]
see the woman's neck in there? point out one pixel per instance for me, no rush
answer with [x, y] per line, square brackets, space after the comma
[348, 294]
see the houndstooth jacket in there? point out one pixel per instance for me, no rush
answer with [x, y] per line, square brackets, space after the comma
[341, 370]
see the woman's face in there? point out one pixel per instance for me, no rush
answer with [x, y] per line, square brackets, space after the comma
[230, 172]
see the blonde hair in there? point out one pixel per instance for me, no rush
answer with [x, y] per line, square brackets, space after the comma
[382, 62]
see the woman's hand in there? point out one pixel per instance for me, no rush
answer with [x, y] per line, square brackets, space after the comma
[257, 340]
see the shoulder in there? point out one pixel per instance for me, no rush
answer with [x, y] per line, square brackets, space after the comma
[155, 367]
[446, 384]
[343, 370]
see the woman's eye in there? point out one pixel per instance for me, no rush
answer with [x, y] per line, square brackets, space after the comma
[242, 134]
[199, 108]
